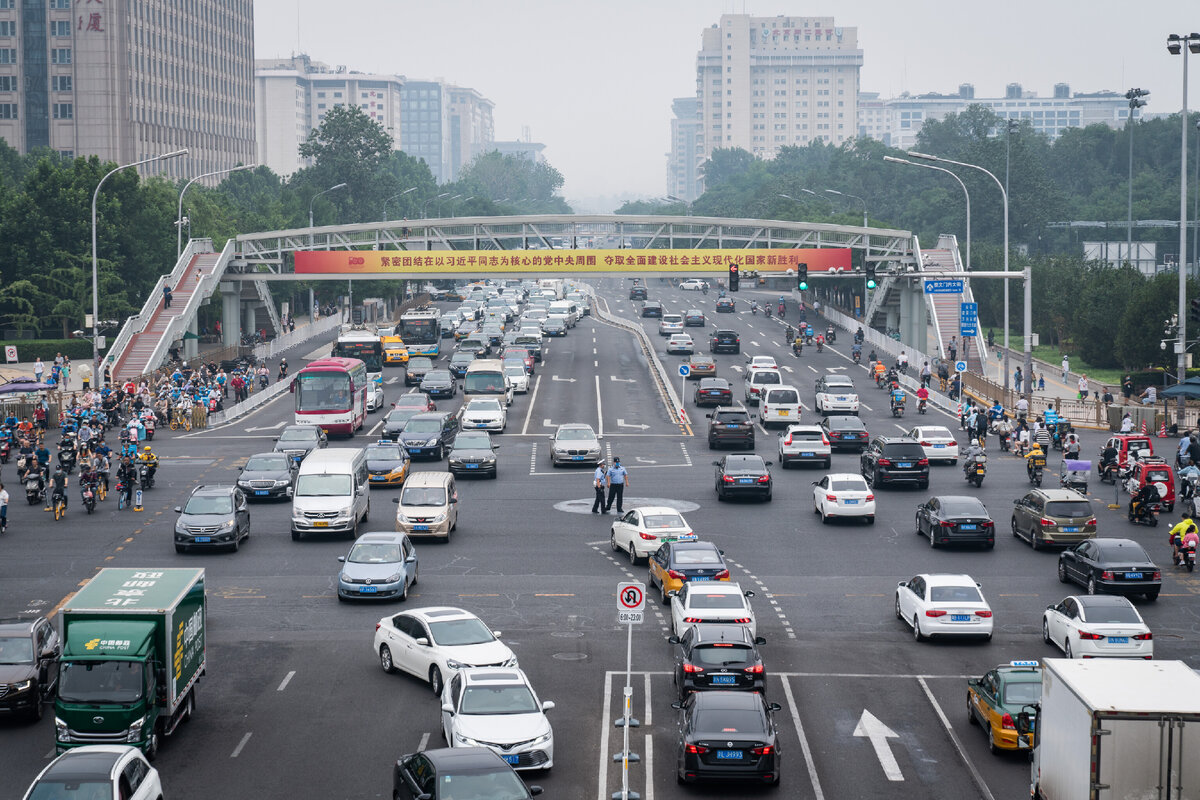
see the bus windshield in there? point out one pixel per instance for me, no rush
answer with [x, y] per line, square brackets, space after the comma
[484, 383]
[323, 391]
[369, 352]
[419, 330]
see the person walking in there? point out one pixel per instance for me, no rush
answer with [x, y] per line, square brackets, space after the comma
[618, 479]
[952, 349]
[1066, 367]
[1083, 387]
[1127, 387]
[599, 483]
[1042, 382]
[85, 375]
[39, 369]
[1017, 377]
[166, 296]
[3, 508]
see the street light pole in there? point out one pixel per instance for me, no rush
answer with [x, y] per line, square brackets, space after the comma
[867, 237]
[179, 215]
[393, 197]
[1182, 45]
[966, 194]
[96, 260]
[1134, 96]
[310, 227]
[425, 206]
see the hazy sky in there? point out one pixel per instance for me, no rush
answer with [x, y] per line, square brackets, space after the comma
[594, 80]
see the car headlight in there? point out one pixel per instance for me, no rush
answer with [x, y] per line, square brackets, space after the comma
[244, 484]
[458, 737]
[60, 730]
[511, 663]
[179, 528]
[282, 483]
[452, 664]
[431, 443]
[395, 578]
[228, 524]
[23, 686]
[135, 730]
[439, 518]
[543, 739]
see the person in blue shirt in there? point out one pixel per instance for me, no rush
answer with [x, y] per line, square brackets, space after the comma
[996, 412]
[899, 398]
[618, 479]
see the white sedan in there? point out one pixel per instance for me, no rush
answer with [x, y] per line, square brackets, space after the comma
[98, 770]
[761, 362]
[938, 443]
[693, 285]
[1097, 626]
[801, 444]
[375, 397]
[843, 495]
[835, 394]
[496, 708]
[700, 602]
[486, 414]
[518, 378]
[435, 642]
[943, 605]
[640, 532]
[681, 343]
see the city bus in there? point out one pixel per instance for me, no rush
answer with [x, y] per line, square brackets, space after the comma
[420, 332]
[332, 393]
[358, 342]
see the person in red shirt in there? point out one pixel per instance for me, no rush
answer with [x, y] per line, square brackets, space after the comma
[922, 397]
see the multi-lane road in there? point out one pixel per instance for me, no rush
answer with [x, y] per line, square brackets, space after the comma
[294, 704]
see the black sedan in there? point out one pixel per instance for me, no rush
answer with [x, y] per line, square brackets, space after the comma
[954, 519]
[743, 475]
[713, 392]
[300, 440]
[473, 454]
[439, 383]
[554, 327]
[267, 475]
[1115, 566]
[725, 305]
[727, 736]
[694, 318]
[28, 666]
[845, 433]
[459, 363]
[394, 422]
[416, 370]
[718, 657]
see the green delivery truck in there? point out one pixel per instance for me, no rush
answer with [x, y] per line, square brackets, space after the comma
[132, 654]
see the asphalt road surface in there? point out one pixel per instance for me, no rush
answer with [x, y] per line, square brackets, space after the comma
[295, 705]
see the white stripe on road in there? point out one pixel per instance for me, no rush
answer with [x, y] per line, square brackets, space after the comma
[286, 680]
[532, 400]
[648, 759]
[814, 371]
[238, 750]
[808, 758]
[647, 715]
[605, 724]
[979, 782]
[599, 409]
[424, 742]
[377, 426]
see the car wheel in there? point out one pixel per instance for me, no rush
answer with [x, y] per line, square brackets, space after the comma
[385, 659]
[663, 594]
[152, 746]
[435, 680]
[404, 590]
[932, 540]
[1091, 584]
[917, 629]
[923, 484]
[1067, 649]
[971, 720]
[871, 519]
[899, 615]
[1062, 573]
[917, 523]
[1013, 524]
[824, 517]
[828, 463]
[612, 541]
[633, 559]
[1046, 632]
[181, 549]
[992, 748]
[39, 708]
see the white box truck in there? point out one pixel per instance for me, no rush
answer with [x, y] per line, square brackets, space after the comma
[1110, 729]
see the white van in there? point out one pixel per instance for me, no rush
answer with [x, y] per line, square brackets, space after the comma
[331, 494]
[567, 310]
[779, 404]
[759, 379]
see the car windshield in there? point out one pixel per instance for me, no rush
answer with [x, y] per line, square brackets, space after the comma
[72, 788]
[721, 655]
[936, 433]
[729, 720]
[384, 452]
[438, 375]
[16, 650]
[298, 435]
[1128, 552]
[731, 417]
[514, 372]
[477, 785]
[423, 496]
[374, 553]
[402, 414]
[323, 486]
[100, 682]
[209, 504]
[845, 423]
[651, 521]
[1111, 615]
[486, 406]
[498, 700]
[719, 600]
[575, 434]
[423, 426]
[420, 401]
[848, 485]
[807, 436]
[696, 558]
[838, 385]
[267, 464]
[963, 508]
[1068, 508]
[1019, 693]
[954, 594]
[904, 452]
[472, 441]
[765, 376]
[456, 632]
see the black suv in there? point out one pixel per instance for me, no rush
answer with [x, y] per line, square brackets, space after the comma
[718, 657]
[215, 516]
[730, 425]
[652, 308]
[28, 665]
[430, 434]
[894, 459]
[725, 341]
[637, 293]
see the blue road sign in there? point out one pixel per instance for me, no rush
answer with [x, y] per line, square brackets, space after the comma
[684, 370]
[960, 366]
[944, 286]
[968, 319]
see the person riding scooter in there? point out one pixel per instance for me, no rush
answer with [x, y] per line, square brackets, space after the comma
[898, 399]
[1142, 504]
[922, 399]
[1035, 459]
[820, 343]
[856, 352]
[1185, 528]
[150, 461]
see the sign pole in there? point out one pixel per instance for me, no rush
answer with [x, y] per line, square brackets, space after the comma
[631, 604]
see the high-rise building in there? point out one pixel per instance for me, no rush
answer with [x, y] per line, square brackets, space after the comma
[767, 82]
[685, 158]
[471, 127]
[130, 80]
[425, 125]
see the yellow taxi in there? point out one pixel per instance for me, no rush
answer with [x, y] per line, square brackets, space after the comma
[685, 560]
[995, 700]
[387, 463]
[394, 351]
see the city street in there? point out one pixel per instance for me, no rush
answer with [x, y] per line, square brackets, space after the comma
[295, 704]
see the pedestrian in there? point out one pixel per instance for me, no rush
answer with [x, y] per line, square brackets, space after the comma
[1127, 387]
[599, 482]
[1083, 387]
[618, 479]
[1066, 367]
[1126, 423]
[991, 338]
[1022, 407]
[217, 329]
[3, 508]
[1042, 382]
[1107, 397]
[166, 296]
[108, 373]
[85, 375]
[1017, 376]
[952, 349]
[291, 324]
[66, 372]
[38, 369]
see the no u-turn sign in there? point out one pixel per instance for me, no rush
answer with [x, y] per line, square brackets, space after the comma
[631, 602]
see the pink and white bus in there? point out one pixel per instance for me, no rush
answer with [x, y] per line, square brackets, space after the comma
[332, 393]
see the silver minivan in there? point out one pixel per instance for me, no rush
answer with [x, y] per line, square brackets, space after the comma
[427, 505]
[332, 493]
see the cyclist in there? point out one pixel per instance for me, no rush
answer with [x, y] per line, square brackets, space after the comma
[58, 487]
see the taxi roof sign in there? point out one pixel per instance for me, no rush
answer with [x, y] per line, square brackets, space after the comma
[1023, 664]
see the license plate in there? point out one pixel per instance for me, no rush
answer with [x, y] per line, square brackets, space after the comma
[514, 759]
[960, 617]
[320, 523]
[938, 446]
[783, 412]
[1118, 639]
[368, 589]
[745, 480]
[733, 427]
[850, 502]
[968, 527]
[202, 539]
[471, 466]
[481, 424]
[904, 464]
[1133, 576]
[806, 455]
[1072, 529]
[729, 755]
[724, 680]
[577, 458]
[420, 527]
[261, 492]
[373, 477]
[699, 578]
[840, 399]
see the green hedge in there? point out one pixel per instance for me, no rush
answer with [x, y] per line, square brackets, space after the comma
[28, 350]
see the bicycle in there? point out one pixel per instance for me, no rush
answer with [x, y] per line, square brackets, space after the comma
[60, 505]
[101, 492]
[124, 496]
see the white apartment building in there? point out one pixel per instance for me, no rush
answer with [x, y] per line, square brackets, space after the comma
[685, 158]
[127, 81]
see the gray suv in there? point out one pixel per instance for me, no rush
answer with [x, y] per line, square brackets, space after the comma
[214, 516]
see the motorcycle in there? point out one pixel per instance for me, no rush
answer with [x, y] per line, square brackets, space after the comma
[1187, 557]
[830, 335]
[856, 355]
[880, 380]
[1189, 492]
[1146, 514]
[754, 308]
[262, 381]
[1110, 472]
[820, 347]
[67, 459]
[790, 334]
[922, 405]
[23, 464]
[975, 468]
[1034, 469]
[782, 311]
[149, 423]
[798, 345]
[35, 488]
[146, 476]
[5, 450]
[897, 409]
[89, 497]
[767, 311]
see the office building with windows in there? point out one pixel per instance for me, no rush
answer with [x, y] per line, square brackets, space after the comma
[130, 80]
[425, 125]
[685, 158]
[471, 127]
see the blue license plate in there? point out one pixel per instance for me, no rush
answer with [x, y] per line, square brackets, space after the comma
[373, 477]
[420, 527]
[733, 427]
[968, 527]
[203, 539]
[806, 455]
[368, 590]
[699, 578]
[1072, 529]
[578, 458]
[850, 502]
[724, 680]
[841, 399]
[471, 466]
[514, 759]
[481, 424]
[937, 446]
[960, 617]
[261, 492]
[745, 480]
[904, 464]
[729, 755]
[1118, 639]
[1133, 576]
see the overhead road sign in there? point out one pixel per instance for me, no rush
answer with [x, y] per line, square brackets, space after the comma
[944, 286]
[968, 319]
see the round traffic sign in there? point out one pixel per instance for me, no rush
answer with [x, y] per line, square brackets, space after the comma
[631, 596]
[685, 370]
[960, 366]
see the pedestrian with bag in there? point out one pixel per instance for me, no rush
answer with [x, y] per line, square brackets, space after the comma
[599, 483]
[618, 479]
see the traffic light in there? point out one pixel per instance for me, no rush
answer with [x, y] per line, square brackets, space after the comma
[733, 277]
[802, 276]
[1195, 312]
[870, 276]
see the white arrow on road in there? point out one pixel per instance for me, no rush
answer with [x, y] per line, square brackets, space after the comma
[788, 369]
[274, 427]
[871, 728]
[834, 369]
[546, 423]
[623, 424]
[562, 380]
[641, 460]
[615, 379]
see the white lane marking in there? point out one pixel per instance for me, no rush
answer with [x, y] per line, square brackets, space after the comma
[647, 715]
[375, 427]
[808, 758]
[777, 344]
[599, 409]
[870, 727]
[594, 351]
[864, 405]
[237, 751]
[533, 459]
[979, 782]
[532, 399]
[787, 368]
[810, 368]
[596, 364]
[605, 724]
[901, 427]
[424, 742]
[286, 680]
[755, 344]
[648, 758]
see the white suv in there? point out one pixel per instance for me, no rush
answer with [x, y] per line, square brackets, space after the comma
[836, 395]
[779, 404]
[804, 444]
[670, 323]
[693, 285]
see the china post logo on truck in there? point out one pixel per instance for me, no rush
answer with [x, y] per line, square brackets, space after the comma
[186, 639]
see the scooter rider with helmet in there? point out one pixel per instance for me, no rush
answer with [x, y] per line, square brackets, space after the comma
[150, 460]
[1184, 528]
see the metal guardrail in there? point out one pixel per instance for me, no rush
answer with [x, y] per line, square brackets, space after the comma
[657, 371]
[259, 398]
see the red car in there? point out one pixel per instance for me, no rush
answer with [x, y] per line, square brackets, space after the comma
[521, 353]
[1127, 442]
[1153, 469]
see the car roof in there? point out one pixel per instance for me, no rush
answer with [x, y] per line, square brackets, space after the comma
[300, 427]
[846, 476]
[86, 763]
[463, 758]
[429, 415]
[844, 421]
[782, 386]
[1099, 600]
[715, 382]
[720, 409]
[960, 498]
[494, 676]
[753, 459]
[708, 633]
[718, 587]
[691, 545]
[439, 613]
[1058, 494]
[570, 426]
[381, 537]
[656, 510]
[896, 440]
[212, 489]
[805, 428]
[12, 625]
[727, 700]
[947, 579]
[833, 377]
[938, 428]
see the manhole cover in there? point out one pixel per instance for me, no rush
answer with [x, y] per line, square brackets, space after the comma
[584, 505]
[570, 656]
[567, 634]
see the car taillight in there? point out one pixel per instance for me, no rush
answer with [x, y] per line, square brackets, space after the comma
[824, 440]
[1106, 575]
[1006, 722]
[692, 619]
[376, 626]
[691, 668]
[764, 479]
[1091, 521]
[727, 479]
[757, 669]
[883, 462]
[924, 462]
[831, 498]
[788, 440]
[765, 750]
[696, 749]
[723, 575]
[935, 613]
[1046, 523]
[870, 497]
[1157, 575]
[989, 524]
[1093, 637]
[649, 537]
[1143, 637]
[671, 573]
[984, 614]
[742, 620]
[946, 524]
[926, 444]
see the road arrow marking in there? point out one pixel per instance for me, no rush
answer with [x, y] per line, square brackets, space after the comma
[834, 369]
[735, 367]
[788, 369]
[274, 427]
[622, 424]
[641, 460]
[562, 380]
[871, 728]
[546, 423]
[615, 379]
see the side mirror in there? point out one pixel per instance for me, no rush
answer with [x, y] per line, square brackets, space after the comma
[341, 559]
[276, 439]
[178, 509]
[760, 640]
[677, 705]
[448, 708]
[748, 593]
[396, 500]
[902, 584]
[673, 639]
[673, 593]
[421, 640]
[546, 706]
[601, 436]
[774, 707]
[716, 463]
[535, 790]
[768, 463]
[1024, 723]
